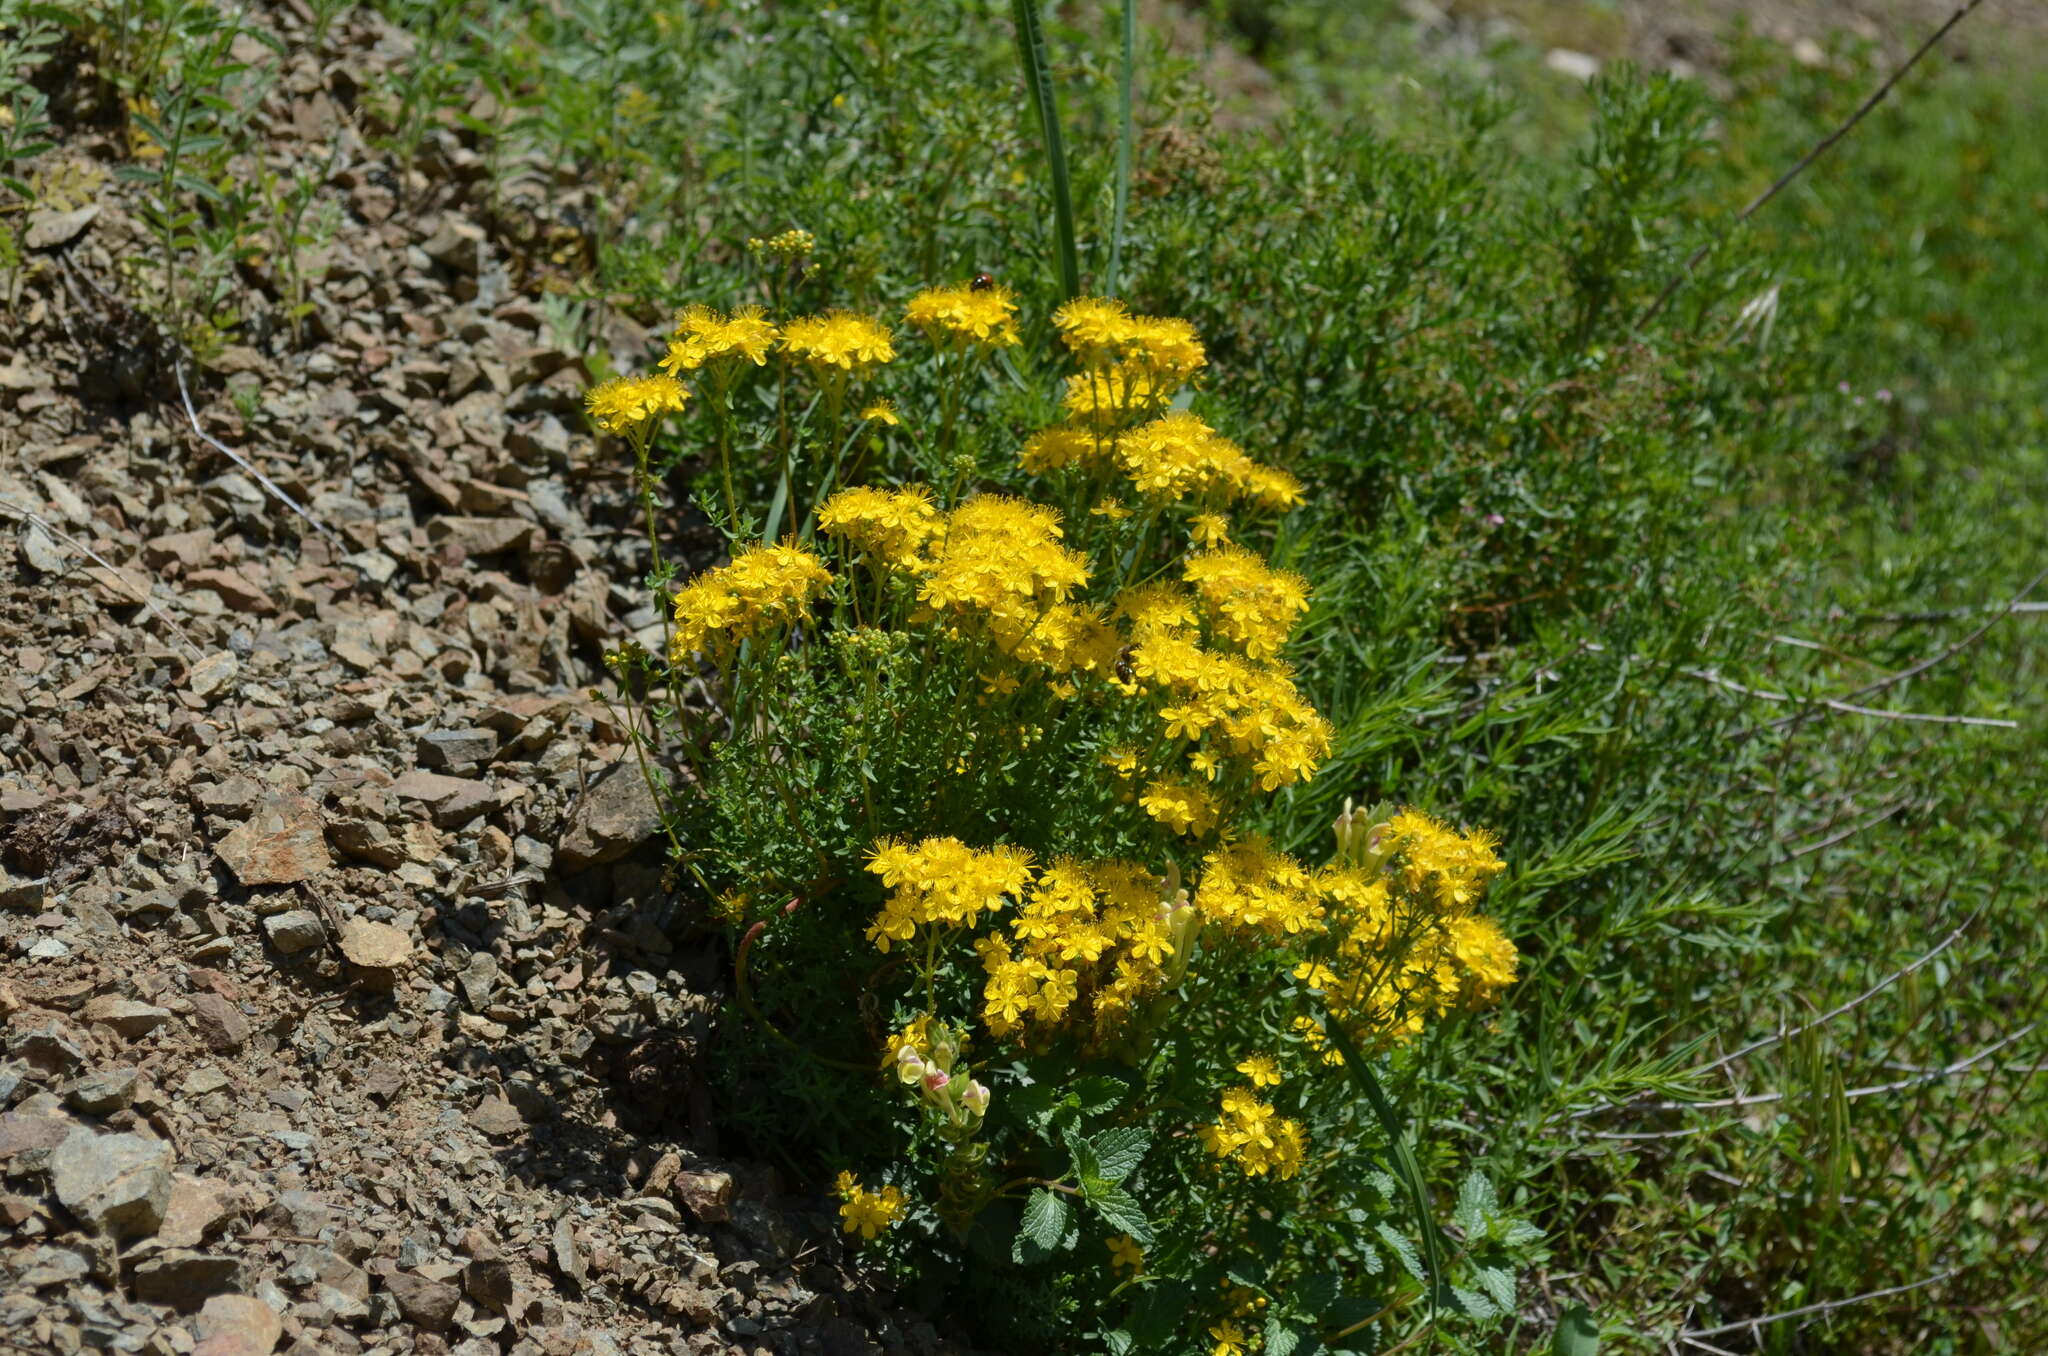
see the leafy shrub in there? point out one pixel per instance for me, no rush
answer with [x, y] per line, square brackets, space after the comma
[974, 743]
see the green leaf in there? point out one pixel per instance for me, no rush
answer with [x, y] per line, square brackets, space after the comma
[1121, 1211]
[1577, 1333]
[1284, 1337]
[1404, 1250]
[1098, 1093]
[1120, 1151]
[1044, 1224]
[1499, 1285]
[1476, 1206]
[1471, 1303]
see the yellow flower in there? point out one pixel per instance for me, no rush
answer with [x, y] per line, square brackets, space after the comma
[1253, 1135]
[1209, 529]
[703, 336]
[838, 341]
[1125, 1252]
[966, 315]
[1123, 761]
[941, 882]
[762, 588]
[1181, 806]
[868, 1213]
[881, 412]
[626, 405]
[1484, 953]
[1230, 1339]
[893, 524]
[1261, 1069]
[1113, 509]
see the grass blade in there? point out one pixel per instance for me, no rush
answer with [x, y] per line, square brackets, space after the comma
[1038, 85]
[1123, 150]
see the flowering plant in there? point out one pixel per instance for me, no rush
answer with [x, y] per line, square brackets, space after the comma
[982, 793]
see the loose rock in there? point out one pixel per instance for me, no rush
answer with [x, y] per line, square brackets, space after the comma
[114, 1184]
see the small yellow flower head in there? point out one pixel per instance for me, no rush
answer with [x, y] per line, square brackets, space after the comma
[625, 405]
[1484, 954]
[893, 525]
[1229, 1338]
[963, 315]
[1062, 445]
[1247, 601]
[1184, 807]
[839, 341]
[1209, 529]
[1125, 1253]
[1252, 1134]
[882, 412]
[1095, 328]
[703, 336]
[868, 1213]
[941, 882]
[1262, 1071]
[764, 587]
[1113, 509]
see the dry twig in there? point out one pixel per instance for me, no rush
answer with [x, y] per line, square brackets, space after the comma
[271, 486]
[149, 604]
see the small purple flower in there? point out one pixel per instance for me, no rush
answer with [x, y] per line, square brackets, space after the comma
[1494, 520]
[1842, 386]
[1884, 395]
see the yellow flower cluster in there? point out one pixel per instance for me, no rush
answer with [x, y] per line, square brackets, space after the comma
[1221, 703]
[963, 314]
[1248, 602]
[999, 560]
[1247, 887]
[704, 336]
[762, 588]
[838, 342]
[1408, 947]
[626, 405]
[941, 882]
[1091, 941]
[1103, 334]
[1254, 1136]
[891, 525]
[1185, 807]
[868, 1213]
[1178, 456]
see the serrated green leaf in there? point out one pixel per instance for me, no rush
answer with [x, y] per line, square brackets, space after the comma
[1313, 1293]
[1283, 1338]
[1120, 1151]
[1404, 1250]
[1577, 1333]
[1098, 1093]
[1116, 1342]
[1499, 1285]
[1471, 1303]
[1476, 1205]
[1043, 1225]
[1121, 1211]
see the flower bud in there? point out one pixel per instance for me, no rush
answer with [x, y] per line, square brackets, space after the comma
[975, 1099]
[910, 1066]
[935, 1080]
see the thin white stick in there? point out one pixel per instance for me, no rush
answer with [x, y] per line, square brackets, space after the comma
[1765, 1098]
[1880, 817]
[1848, 708]
[1750, 1325]
[148, 603]
[238, 459]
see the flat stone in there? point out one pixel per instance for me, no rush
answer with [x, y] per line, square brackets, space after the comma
[282, 842]
[48, 229]
[127, 1016]
[209, 675]
[706, 1195]
[192, 1212]
[49, 1048]
[295, 930]
[480, 536]
[102, 1093]
[617, 814]
[454, 800]
[185, 1279]
[456, 748]
[497, 1117]
[375, 946]
[235, 589]
[115, 1184]
[237, 1325]
[568, 1258]
[220, 1023]
[44, 1267]
[431, 1304]
[488, 1281]
[31, 1132]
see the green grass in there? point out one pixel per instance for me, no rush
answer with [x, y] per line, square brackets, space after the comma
[1557, 555]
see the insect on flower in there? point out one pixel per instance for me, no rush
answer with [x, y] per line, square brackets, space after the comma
[982, 282]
